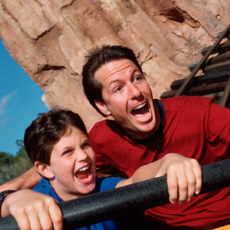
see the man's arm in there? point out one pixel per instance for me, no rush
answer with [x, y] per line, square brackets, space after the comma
[27, 180]
[184, 176]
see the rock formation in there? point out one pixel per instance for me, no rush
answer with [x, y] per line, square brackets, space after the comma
[49, 39]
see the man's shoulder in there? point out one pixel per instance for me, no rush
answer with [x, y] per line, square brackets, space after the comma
[104, 124]
[184, 101]
[103, 128]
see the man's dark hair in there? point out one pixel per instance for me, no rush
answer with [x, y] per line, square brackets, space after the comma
[95, 59]
[45, 131]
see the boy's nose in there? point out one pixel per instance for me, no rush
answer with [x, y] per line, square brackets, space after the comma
[81, 155]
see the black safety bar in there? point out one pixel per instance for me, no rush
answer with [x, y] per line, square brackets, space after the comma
[129, 199]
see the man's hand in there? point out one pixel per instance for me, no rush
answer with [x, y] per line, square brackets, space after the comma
[27, 180]
[184, 177]
[33, 210]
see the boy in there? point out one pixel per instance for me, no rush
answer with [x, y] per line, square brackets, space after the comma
[57, 143]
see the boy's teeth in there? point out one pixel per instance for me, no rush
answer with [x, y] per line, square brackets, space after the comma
[140, 106]
[84, 169]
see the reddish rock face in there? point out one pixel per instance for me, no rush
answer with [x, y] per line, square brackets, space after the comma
[50, 38]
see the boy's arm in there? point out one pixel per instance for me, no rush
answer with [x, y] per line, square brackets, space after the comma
[33, 210]
[184, 176]
[27, 180]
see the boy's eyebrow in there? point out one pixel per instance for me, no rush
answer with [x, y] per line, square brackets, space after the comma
[86, 140]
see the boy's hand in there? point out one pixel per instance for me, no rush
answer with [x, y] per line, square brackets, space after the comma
[33, 210]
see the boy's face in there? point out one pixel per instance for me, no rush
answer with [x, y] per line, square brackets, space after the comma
[73, 165]
[127, 97]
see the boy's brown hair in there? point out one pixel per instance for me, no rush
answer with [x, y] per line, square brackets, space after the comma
[45, 131]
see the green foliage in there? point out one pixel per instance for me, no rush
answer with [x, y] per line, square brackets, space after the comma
[13, 166]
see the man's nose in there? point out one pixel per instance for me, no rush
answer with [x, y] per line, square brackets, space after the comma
[134, 91]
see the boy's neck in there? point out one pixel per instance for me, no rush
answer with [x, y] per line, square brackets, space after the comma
[64, 195]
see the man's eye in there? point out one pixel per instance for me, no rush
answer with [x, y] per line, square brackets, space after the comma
[117, 89]
[137, 78]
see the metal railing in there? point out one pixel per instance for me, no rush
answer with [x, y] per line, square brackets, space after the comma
[187, 83]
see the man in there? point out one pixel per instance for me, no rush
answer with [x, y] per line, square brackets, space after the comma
[146, 130]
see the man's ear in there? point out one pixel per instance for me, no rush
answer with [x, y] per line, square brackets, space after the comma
[102, 107]
[44, 170]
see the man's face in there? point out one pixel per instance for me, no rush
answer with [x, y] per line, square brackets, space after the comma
[127, 98]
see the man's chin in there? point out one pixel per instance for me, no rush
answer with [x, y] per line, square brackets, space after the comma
[142, 131]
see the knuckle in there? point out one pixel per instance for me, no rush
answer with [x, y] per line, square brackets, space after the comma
[192, 182]
[195, 162]
[172, 185]
[183, 187]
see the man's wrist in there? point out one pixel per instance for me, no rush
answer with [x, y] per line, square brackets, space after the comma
[3, 195]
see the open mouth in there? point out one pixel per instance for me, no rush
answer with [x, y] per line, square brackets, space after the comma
[142, 112]
[84, 174]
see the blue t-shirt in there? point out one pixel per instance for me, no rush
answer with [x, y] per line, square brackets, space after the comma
[102, 184]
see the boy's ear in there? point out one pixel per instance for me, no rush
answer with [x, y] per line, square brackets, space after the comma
[44, 170]
[102, 107]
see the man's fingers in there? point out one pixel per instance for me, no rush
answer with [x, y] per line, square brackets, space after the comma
[191, 184]
[198, 175]
[184, 179]
[172, 186]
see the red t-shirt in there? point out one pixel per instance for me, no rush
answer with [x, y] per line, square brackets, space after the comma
[194, 127]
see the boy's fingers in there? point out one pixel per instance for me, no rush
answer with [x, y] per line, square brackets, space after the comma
[34, 219]
[50, 215]
[45, 221]
[36, 211]
[23, 221]
[56, 216]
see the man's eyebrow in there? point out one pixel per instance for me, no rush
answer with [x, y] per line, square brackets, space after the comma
[134, 71]
[114, 81]
[120, 80]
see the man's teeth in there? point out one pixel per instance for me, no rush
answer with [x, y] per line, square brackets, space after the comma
[140, 106]
[84, 169]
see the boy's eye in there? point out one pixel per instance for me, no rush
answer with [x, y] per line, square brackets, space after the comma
[67, 151]
[86, 145]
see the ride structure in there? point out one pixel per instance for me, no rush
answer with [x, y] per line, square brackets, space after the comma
[210, 77]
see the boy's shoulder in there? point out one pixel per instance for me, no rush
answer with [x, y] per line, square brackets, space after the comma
[106, 183]
[45, 188]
